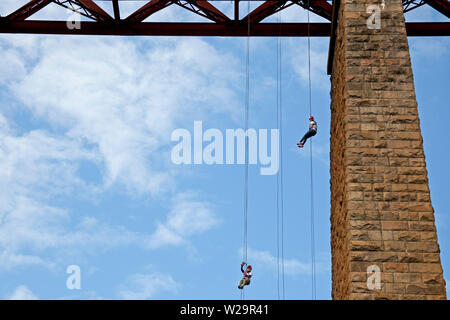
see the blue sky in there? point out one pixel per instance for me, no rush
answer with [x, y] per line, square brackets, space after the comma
[86, 177]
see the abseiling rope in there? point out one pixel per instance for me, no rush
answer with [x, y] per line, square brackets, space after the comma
[313, 256]
[280, 206]
[247, 107]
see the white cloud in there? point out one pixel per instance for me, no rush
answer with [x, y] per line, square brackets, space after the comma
[297, 53]
[146, 286]
[10, 260]
[261, 259]
[186, 218]
[124, 101]
[11, 66]
[428, 48]
[36, 228]
[8, 6]
[112, 103]
[22, 293]
[35, 168]
[320, 152]
[35, 159]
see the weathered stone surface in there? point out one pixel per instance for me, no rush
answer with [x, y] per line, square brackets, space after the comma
[408, 278]
[409, 257]
[381, 208]
[425, 267]
[395, 267]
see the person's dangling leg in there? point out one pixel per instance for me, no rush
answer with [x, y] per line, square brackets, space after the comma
[302, 141]
[241, 284]
[307, 135]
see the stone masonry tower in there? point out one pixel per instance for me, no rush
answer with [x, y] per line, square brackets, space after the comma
[381, 212]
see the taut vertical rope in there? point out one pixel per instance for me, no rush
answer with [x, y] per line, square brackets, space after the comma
[313, 257]
[247, 107]
[280, 206]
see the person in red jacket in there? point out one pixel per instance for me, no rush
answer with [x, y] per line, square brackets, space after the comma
[311, 132]
[245, 281]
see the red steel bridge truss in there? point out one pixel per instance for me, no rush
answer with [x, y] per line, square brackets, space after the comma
[99, 22]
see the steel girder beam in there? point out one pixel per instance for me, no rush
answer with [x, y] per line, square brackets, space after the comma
[168, 29]
[200, 29]
[116, 9]
[203, 8]
[265, 10]
[409, 5]
[94, 9]
[147, 10]
[319, 7]
[324, 8]
[28, 9]
[332, 46]
[87, 8]
[443, 6]
[428, 29]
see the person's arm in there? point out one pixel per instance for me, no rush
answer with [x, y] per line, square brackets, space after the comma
[242, 267]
